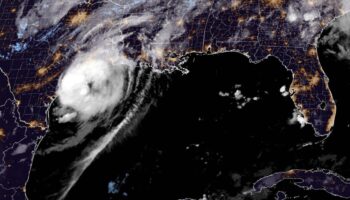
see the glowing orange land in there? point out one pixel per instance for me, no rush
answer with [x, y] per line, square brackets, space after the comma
[36, 86]
[78, 18]
[42, 71]
[36, 124]
[273, 3]
[2, 133]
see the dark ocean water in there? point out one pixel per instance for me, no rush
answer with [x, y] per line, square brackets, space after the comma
[214, 131]
[332, 154]
[197, 140]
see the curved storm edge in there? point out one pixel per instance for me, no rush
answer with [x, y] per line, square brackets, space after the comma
[85, 162]
[331, 119]
[139, 95]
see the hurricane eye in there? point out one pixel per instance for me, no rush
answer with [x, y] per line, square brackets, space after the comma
[94, 84]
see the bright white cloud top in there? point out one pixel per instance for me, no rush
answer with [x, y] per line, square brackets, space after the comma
[94, 82]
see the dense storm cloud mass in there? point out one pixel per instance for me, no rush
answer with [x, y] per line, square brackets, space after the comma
[337, 38]
[117, 48]
[93, 84]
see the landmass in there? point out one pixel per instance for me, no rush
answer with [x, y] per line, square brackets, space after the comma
[37, 44]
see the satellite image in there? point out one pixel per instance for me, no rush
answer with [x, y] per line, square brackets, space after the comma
[174, 99]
